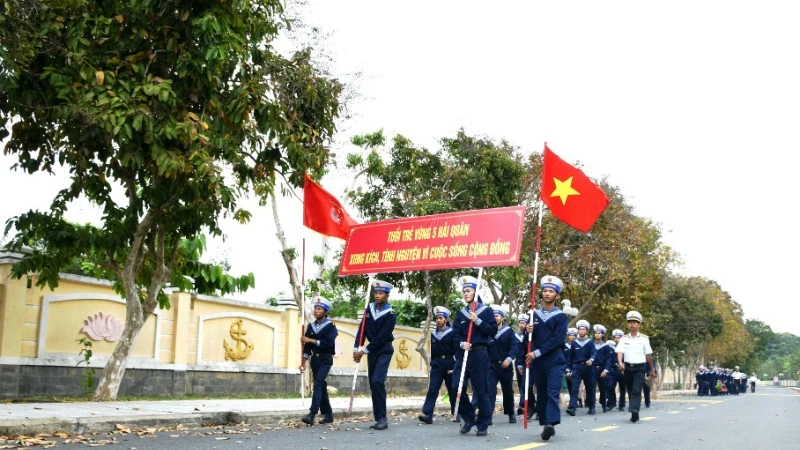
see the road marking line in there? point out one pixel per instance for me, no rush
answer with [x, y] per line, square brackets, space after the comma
[526, 446]
[688, 401]
[674, 412]
[775, 395]
[648, 418]
[692, 407]
[610, 427]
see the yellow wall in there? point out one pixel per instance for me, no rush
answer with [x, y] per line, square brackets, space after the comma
[273, 332]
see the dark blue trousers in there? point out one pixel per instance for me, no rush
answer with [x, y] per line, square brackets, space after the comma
[476, 371]
[548, 373]
[521, 386]
[582, 372]
[439, 369]
[320, 367]
[615, 379]
[377, 371]
[506, 379]
[602, 385]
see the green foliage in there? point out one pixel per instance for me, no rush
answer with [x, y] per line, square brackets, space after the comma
[178, 106]
[88, 373]
[165, 113]
[684, 316]
[405, 180]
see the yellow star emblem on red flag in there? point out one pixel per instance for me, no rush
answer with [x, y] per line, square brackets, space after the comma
[563, 189]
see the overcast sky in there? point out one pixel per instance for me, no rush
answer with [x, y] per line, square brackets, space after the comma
[691, 108]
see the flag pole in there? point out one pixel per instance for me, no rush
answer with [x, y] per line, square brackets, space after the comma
[361, 339]
[303, 329]
[466, 352]
[530, 316]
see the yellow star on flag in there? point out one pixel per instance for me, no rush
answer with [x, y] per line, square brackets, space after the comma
[563, 189]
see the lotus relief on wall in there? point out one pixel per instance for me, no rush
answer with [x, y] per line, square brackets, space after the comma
[100, 326]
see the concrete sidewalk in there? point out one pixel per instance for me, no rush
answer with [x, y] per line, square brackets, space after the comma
[83, 417]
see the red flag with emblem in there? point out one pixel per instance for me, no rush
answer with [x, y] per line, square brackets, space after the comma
[323, 213]
[569, 194]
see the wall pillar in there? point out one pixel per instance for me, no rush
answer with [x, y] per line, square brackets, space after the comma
[182, 304]
[12, 308]
[291, 318]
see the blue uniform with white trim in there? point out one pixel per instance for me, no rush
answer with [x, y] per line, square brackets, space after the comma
[477, 366]
[602, 365]
[443, 351]
[502, 347]
[581, 352]
[549, 329]
[321, 356]
[378, 328]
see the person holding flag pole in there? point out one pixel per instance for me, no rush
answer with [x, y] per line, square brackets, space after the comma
[377, 326]
[360, 342]
[574, 199]
[323, 213]
[473, 327]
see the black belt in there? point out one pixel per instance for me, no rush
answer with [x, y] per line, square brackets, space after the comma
[323, 354]
[634, 366]
[443, 357]
[476, 348]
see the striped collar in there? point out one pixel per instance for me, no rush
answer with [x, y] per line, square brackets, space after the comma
[582, 343]
[440, 334]
[387, 309]
[478, 310]
[599, 346]
[317, 327]
[547, 315]
[500, 331]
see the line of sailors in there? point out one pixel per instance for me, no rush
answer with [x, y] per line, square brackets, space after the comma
[722, 381]
[591, 361]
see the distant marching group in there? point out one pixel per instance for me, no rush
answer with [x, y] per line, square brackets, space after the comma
[494, 352]
[721, 381]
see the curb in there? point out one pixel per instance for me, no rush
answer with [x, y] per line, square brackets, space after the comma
[32, 427]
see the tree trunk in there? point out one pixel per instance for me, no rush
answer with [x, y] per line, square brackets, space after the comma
[114, 371]
[288, 260]
[426, 329]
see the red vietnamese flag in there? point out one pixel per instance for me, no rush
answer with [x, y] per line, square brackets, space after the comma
[323, 213]
[570, 194]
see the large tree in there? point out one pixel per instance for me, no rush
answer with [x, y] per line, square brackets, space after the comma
[165, 112]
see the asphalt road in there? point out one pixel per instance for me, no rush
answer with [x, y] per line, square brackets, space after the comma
[766, 419]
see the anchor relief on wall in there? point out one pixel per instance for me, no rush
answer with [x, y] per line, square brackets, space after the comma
[241, 349]
[403, 359]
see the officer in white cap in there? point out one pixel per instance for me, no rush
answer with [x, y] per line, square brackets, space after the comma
[634, 357]
[615, 378]
[319, 344]
[443, 352]
[484, 328]
[549, 328]
[379, 322]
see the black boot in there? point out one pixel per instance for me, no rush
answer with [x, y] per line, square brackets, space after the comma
[425, 418]
[548, 432]
[512, 418]
[381, 424]
[327, 419]
[309, 419]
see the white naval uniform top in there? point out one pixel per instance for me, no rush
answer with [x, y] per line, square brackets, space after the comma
[634, 349]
